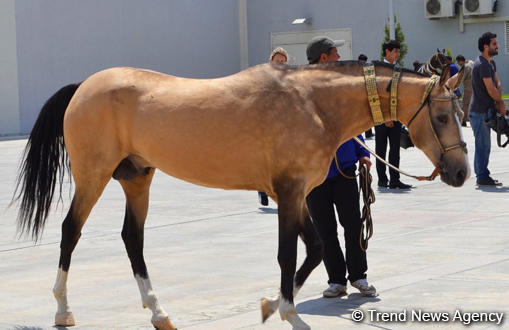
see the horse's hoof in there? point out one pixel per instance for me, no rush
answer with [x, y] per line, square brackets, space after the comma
[268, 308]
[163, 324]
[65, 319]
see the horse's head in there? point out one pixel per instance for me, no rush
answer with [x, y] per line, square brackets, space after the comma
[435, 65]
[436, 130]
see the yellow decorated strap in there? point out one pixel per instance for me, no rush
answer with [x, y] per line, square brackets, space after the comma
[429, 86]
[394, 94]
[373, 98]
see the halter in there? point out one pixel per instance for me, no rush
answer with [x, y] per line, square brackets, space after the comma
[374, 103]
[426, 100]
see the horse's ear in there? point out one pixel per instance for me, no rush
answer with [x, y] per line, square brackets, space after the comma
[444, 76]
[455, 80]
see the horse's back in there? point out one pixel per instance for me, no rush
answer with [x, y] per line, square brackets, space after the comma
[214, 132]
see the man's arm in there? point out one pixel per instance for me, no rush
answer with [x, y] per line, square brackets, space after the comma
[499, 85]
[495, 93]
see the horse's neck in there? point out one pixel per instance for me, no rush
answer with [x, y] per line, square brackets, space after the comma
[342, 105]
[410, 93]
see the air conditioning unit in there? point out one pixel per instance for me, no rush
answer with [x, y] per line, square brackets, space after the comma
[438, 8]
[478, 7]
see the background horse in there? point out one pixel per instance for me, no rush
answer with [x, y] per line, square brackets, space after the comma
[436, 64]
[270, 128]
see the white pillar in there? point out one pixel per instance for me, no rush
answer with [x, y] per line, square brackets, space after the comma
[391, 20]
[244, 58]
[9, 93]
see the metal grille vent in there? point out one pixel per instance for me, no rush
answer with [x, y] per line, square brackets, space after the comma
[472, 5]
[433, 7]
[507, 37]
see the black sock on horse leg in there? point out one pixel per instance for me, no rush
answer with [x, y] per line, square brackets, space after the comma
[314, 250]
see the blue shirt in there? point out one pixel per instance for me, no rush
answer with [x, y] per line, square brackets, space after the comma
[453, 69]
[348, 155]
[481, 100]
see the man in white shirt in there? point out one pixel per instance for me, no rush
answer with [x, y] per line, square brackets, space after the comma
[391, 131]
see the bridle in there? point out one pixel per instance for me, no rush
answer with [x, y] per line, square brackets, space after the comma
[427, 100]
[374, 102]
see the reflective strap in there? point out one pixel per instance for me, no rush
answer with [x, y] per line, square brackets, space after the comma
[373, 98]
[394, 94]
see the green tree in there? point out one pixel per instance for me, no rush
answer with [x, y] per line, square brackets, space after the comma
[449, 53]
[399, 36]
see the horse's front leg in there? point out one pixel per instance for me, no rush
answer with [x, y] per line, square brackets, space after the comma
[290, 198]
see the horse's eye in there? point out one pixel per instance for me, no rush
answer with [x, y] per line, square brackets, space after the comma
[442, 119]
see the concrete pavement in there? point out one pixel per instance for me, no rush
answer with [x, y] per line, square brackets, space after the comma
[211, 255]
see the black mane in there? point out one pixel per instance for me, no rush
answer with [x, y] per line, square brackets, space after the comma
[340, 64]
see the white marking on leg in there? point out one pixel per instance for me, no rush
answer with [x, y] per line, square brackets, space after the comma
[288, 313]
[60, 291]
[269, 305]
[64, 315]
[149, 299]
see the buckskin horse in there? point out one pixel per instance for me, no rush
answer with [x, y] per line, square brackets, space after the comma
[271, 128]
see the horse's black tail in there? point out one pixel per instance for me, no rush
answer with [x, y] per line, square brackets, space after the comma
[43, 158]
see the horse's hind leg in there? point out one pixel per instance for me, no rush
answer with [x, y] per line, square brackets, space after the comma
[86, 195]
[314, 251]
[137, 196]
[290, 198]
[314, 255]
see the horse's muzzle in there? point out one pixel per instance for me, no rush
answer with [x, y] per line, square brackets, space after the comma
[454, 175]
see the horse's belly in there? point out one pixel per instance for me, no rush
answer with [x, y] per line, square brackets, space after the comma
[221, 166]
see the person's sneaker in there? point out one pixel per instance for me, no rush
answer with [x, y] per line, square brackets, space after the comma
[383, 184]
[399, 185]
[488, 182]
[364, 287]
[335, 290]
[264, 200]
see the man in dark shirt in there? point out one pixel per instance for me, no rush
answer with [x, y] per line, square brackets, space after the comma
[487, 94]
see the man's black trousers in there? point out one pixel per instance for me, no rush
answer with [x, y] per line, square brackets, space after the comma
[344, 193]
[382, 133]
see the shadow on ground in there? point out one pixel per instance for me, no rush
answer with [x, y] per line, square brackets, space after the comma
[268, 210]
[335, 306]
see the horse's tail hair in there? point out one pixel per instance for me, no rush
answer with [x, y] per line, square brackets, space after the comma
[44, 157]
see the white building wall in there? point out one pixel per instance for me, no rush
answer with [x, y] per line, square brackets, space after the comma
[64, 41]
[46, 44]
[9, 104]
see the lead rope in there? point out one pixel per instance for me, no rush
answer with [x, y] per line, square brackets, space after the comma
[339, 169]
[431, 177]
[368, 198]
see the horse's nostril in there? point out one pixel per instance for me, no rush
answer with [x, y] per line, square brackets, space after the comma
[461, 175]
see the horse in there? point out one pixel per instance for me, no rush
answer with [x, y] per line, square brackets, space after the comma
[435, 64]
[271, 128]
